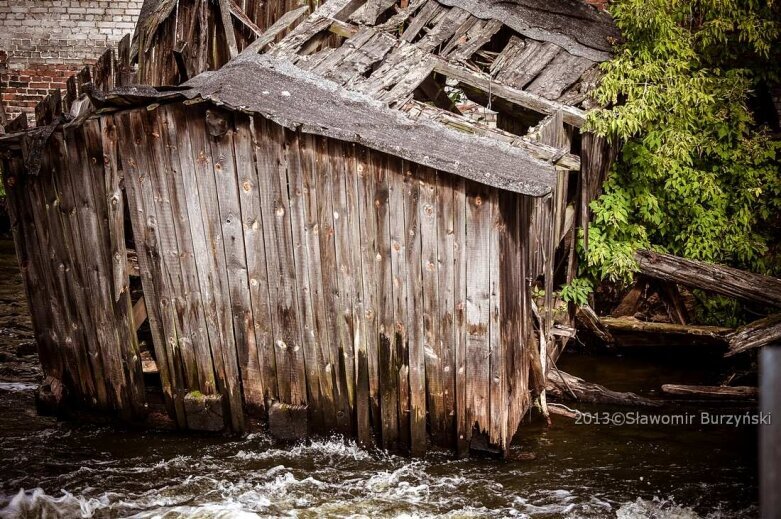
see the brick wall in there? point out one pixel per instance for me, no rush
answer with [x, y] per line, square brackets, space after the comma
[43, 42]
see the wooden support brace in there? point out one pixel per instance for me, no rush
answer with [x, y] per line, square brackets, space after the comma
[227, 25]
[237, 12]
[139, 312]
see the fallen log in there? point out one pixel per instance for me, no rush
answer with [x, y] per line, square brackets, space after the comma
[755, 335]
[727, 281]
[712, 392]
[631, 324]
[630, 332]
[565, 387]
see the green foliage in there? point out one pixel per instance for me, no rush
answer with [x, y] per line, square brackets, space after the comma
[577, 291]
[697, 176]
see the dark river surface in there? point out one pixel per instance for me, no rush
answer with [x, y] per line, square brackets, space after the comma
[53, 468]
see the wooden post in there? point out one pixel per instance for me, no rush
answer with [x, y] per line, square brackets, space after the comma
[770, 434]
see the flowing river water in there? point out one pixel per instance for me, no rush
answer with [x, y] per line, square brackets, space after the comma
[51, 468]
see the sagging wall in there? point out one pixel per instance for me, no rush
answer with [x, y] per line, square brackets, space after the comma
[67, 223]
[281, 267]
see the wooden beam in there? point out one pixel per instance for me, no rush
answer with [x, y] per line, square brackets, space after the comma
[227, 25]
[712, 392]
[272, 32]
[628, 324]
[727, 281]
[139, 312]
[239, 14]
[570, 114]
[755, 335]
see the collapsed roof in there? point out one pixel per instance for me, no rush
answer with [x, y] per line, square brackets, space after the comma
[395, 75]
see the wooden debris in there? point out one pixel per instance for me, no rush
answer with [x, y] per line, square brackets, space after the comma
[712, 392]
[590, 321]
[711, 277]
[565, 387]
[755, 335]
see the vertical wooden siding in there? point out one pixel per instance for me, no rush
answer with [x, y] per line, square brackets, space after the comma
[67, 226]
[388, 298]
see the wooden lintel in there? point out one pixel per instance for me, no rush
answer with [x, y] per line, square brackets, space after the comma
[570, 115]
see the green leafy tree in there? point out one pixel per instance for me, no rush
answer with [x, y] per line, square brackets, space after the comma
[698, 175]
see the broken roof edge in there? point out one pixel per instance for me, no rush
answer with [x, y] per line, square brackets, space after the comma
[299, 100]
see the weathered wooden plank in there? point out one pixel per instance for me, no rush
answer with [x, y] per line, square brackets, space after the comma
[63, 351]
[424, 16]
[498, 364]
[218, 310]
[297, 191]
[522, 60]
[226, 161]
[182, 192]
[478, 35]
[158, 173]
[280, 256]
[397, 185]
[143, 217]
[370, 254]
[25, 241]
[321, 381]
[388, 355]
[460, 259]
[52, 265]
[755, 335]
[122, 358]
[416, 330]
[563, 71]
[276, 29]
[478, 234]
[433, 344]
[443, 410]
[513, 304]
[227, 27]
[371, 11]
[347, 318]
[254, 246]
[353, 279]
[355, 227]
[572, 115]
[86, 231]
[333, 297]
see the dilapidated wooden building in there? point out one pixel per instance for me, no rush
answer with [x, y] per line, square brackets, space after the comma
[341, 230]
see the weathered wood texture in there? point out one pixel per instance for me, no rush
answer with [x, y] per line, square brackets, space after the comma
[69, 239]
[179, 40]
[711, 277]
[755, 335]
[280, 271]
